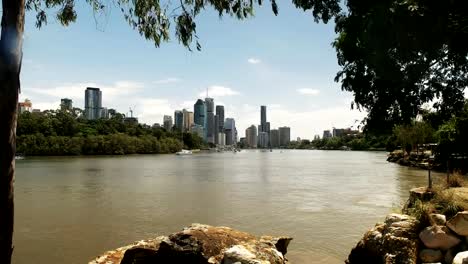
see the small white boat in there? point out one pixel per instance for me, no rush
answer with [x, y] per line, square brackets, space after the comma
[184, 152]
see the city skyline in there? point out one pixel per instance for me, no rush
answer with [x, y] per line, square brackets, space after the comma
[290, 73]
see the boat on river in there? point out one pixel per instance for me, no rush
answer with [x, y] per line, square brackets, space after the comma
[184, 152]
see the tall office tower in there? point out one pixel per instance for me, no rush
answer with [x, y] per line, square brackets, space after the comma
[251, 136]
[216, 129]
[285, 136]
[263, 118]
[264, 127]
[230, 131]
[220, 114]
[198, 130]
[199, 110]
[66, 104]
[188, 120]
[274, 138]
[263, 139]
[179, 120]
[167, 122]
[210, 133]
[93, 103]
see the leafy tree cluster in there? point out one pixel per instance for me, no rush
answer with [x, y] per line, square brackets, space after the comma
[356, 142]
[411, 136]
[62, 133]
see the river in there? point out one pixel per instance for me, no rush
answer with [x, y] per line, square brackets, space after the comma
[71, 209]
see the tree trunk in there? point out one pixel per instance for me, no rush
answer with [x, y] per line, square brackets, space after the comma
[11, 43]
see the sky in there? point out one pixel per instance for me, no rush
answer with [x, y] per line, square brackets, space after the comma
[285, 62]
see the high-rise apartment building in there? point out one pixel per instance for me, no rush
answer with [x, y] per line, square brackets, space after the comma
[198, 130]
[93, 103]
[66, 104]
[188, 120]
[167, 122]
[263, 139]
[263, 117]
[274, 138]
[179, 120]
[285, 136]
[210, 131]
[251, 136]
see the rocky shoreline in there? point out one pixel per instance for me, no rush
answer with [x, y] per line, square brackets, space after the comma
[417, 160]
[404, 239]
[202, 244]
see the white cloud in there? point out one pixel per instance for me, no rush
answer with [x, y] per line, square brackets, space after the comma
[254, 60]
[308, 91]
[167, 80]
[218, 91]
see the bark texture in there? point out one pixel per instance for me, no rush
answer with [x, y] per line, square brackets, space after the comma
[11, 43]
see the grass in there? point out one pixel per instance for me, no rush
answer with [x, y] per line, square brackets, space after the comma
[447, 200]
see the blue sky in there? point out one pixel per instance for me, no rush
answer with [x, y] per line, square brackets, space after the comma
[285, 62]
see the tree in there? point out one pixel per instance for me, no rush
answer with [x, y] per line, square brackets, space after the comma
[152, 19]
[397, 55]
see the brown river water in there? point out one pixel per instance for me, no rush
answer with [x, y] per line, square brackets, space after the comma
[71, 209]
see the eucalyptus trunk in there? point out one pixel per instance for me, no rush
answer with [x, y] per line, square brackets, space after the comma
[11, 43]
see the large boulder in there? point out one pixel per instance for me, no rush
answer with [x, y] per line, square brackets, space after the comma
[395, 241]
[202, 244]
[461, 258]
[459, 223]
[438, 237]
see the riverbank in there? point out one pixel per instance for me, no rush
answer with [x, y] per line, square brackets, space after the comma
[417, 160]
[432, 228]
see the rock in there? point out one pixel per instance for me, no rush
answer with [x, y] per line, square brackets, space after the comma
[202, 244]
[459, 223]
[393, 242]
[431, 255]
[438, 219]
[461, 258]
[438, 237]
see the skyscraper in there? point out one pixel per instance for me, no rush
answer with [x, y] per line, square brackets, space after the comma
[93, 103]
[167, 122]
[220, 114]
[264, 127]
[216, 129]
[66, 104]
[210, 133]
[199, 110]
[285, 136]
[274, 138]
[263, 117]
[188, 120]
[230, 131]
[179, 120]
[251, 136]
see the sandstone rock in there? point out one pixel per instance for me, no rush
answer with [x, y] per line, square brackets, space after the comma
[202, 244]
[394, 242]
[438, 219]
[461, 258]
[431, 255]
[459, 223]
[438, 237]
